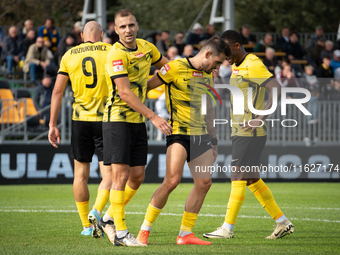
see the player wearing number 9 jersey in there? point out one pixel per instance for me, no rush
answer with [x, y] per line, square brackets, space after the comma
[84, 65]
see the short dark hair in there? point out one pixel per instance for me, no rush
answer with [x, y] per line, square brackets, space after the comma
[50, 19]
[165, 31]
[232, 36]
[217, 46]
[123, 13]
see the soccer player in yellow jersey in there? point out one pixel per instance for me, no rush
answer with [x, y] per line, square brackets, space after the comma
[84, 65]
[248, 139]
[193, 138]
[125, 138]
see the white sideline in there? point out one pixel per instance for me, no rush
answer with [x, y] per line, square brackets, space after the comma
[171, 214]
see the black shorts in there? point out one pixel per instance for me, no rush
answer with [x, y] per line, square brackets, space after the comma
[125, 143]
[246, 151]
[195, 145]
[86, 137]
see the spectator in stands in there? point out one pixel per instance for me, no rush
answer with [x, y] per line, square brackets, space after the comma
[37, 60]
[195, 37]
[337, 73]
[172, 53]
[28, 41]
[270, 60]
[77, 28]
[286, 78]
[326, 73]
[310, 80]
[284, 39]
[316, 52]
[336, 60]
[312, 42]
[2, 36]
[28, 25]
[209, 32]
[111, 33]
[325, 70]
[153, 37]
[247, 36]
[225, 72]
[163, 43]
[335, 91]
[11, 50]
[188, 51]
[294, 48]
[328, 51]
[263, 44]
[107, 40]
[50, 35]
[65, 44]
[42, 97]
[178, 43]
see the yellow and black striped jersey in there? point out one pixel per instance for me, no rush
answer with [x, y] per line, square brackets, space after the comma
[184, 88]
[85, 67]
[134, 64]
[251, 72]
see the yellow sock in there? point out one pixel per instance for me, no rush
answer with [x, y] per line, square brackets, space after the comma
[103, 196]
[237, 196]
[83, 210]
[110, 211]
[117, 202]
[265, 197]
[188, 221]
[129, 193]
[151, 215]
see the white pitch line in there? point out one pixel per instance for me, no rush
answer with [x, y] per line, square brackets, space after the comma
[173, 214]
[283, 207]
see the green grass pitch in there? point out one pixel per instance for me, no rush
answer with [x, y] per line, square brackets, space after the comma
[42, 219]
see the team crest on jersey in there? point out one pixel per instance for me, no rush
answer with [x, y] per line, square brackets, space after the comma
[165, 69]
[139, 55]
[197, 74]
[118, 65]
[235, 71]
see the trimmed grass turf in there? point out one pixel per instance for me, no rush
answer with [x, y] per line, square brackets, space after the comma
[31, 222]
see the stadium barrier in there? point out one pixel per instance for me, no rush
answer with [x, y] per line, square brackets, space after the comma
[44, 164]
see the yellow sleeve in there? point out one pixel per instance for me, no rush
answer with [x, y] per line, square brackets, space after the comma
[117, 64]
[258, 73]
[167, 73]
[157, 56]
[63, 66]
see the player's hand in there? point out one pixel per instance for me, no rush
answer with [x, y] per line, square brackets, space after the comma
[162, 125]
[53, 136]
[215, 151]
[255, 124]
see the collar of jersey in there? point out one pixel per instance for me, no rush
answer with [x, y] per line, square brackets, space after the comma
[242, 60]
[191, 64]
[88, 42]
[129, 48]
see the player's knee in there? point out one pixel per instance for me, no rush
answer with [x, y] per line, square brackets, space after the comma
[204, 184]
[171, 184]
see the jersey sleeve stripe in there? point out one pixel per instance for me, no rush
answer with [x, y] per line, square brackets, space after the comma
[118, 76]
[161, 79]
[63, 73]
[157, 60]
[266, 81]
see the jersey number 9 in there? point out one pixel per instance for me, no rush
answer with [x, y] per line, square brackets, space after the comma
[89, 74]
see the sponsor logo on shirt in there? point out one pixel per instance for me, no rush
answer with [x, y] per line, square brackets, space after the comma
[118, 65]
[139, 55]
[165, 69]
[235, 71]
[197, 74]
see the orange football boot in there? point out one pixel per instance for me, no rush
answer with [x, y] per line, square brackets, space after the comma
[191, 239]
[143, 236]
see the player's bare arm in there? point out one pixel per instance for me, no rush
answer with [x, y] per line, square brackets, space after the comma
[209, 119]
[57, 95]
[257, 121]
[125, 93]
[154, 82]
